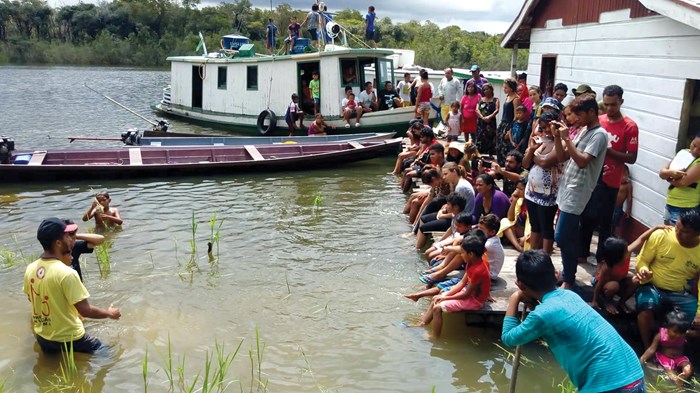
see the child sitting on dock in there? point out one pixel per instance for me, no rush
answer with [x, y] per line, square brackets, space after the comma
[586, 346]
[105, 216]
[515, 227]
[470, 294]
[293, 114]
[667, 348]
[443, 220]
[318, 126]
[613, 277]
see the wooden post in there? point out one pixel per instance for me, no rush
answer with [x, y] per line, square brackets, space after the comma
[513, 61]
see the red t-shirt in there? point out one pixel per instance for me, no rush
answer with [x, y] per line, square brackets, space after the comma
[619, 271]
[478, 275]
[624, 137]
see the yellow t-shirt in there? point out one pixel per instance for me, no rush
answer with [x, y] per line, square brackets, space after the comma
[673, 266]
[53, 289]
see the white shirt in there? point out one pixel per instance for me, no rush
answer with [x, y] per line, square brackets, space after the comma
[404, 89]
[365, 99]
[496, 256]
[451, 90]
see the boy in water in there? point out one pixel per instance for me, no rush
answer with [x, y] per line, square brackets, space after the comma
[586, 346]
[470, 294]
[105, 216]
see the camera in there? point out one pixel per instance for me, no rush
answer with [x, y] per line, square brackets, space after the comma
[486, 163]
[7, 146]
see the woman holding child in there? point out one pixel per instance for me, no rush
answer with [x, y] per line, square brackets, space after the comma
[542, 185]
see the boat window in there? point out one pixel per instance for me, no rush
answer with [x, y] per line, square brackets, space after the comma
[252, 78]
[348, 71]
[222, 78]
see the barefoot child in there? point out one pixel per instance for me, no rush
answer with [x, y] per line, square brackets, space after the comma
[668, 348]
[586, 346]
[293, 114]
[454, 122]
[515, 226]
[105, 216]
[613, 276]
[470, 294]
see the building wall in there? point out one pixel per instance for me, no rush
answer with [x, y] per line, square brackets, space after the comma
[651, 58]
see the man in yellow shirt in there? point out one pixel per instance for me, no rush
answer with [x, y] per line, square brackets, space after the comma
[666, 267]
[57, 295]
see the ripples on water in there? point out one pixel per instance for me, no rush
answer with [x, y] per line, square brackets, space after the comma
[345, 263]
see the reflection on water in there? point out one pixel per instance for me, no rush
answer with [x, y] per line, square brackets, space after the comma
[325, 282]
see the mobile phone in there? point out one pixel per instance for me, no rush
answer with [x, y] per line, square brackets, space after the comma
[538, 139]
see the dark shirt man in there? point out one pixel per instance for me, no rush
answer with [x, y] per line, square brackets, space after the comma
[388, 99]
[511, 173]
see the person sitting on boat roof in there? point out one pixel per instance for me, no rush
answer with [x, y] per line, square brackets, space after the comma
[350, 108]
[313, 22]
[105, 216]
[388, 99]
[58, 298]
[293, 29]
[368, 99]
[293, 114]
[318, 126]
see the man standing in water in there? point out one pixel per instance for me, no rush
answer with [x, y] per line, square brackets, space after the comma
[58, 297]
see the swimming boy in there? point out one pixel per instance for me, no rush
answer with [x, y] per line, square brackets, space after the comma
[586, 346]
[105, 216]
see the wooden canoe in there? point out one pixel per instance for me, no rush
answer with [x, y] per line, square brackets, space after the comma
[261, 140]
[186, 161]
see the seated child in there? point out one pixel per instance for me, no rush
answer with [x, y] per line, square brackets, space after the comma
[624, 195]
[443, 220]
[516, 227]
[435, 157]
[668, 348]
[470, 294]
[318, 126]
[613, 276]
[417, 201]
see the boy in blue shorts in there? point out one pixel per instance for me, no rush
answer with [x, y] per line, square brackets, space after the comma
[586, 346]
[271, 36]
[315, 87]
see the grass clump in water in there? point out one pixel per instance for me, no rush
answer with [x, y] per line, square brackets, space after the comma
[8, 258]
[214, 238]
[104, 260]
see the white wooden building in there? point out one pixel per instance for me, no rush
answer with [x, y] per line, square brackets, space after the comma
[651, 48]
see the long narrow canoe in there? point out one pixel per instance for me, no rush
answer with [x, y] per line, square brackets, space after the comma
[261, 140]
[186, 161]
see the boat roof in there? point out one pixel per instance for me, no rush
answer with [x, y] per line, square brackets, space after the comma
[302, 56]
[235, 36]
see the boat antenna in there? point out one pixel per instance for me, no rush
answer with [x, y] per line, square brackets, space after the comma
[133, 112]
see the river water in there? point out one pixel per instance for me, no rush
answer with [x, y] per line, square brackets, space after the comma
[321, 282]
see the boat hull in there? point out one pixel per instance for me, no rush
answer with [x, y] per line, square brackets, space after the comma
[261, 140]
[201, 161]
[395, 121]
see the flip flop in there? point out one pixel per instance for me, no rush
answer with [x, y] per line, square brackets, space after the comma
[426, 279]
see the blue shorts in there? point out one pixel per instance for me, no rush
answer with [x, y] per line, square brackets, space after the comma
[447, 284]
[314, 34]
[672, 213]
[369, 35]
[317, 100]
[652, 298]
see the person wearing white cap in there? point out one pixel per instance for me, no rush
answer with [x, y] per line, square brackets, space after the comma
[57, 295]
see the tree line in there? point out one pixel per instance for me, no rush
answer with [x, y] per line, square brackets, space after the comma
[144, 32]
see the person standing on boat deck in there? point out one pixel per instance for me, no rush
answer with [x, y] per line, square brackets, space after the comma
[315, 87]
[370, 18]
[423, 96]
[449, 91]
[57, 295]
[105, 216]
[623, 135]
[404, 89]
[293, 114]
[388, 99]
[666, 267]
[271, 36]
[586, 346]
[350, 108]
[367, 99]
[478, 80]
[312, 22]
[585, 156]
[293, 30]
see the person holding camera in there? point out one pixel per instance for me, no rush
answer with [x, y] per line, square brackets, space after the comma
[584, 158]
[510, 173]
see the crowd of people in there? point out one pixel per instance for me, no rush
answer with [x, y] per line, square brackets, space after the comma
[563, 167]
[54, 282]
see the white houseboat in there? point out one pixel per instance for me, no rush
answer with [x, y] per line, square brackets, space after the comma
[246, 90]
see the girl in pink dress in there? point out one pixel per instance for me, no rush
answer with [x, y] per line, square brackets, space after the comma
[469, 103]
[668, 348]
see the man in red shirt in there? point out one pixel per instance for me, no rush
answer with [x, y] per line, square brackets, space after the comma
[623, 136]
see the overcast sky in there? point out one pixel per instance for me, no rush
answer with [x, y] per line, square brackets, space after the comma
[492, 16]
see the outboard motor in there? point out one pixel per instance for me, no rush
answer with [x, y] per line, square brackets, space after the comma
[7, 146]
[132, 137]
[162, 125]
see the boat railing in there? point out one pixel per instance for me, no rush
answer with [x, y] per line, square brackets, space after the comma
[166, 96]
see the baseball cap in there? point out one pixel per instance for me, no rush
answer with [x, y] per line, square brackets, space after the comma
[551, 102]
[583, 88]
[475, 67]
[53, 228]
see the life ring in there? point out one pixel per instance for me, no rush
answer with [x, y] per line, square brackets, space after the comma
[267, 114]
